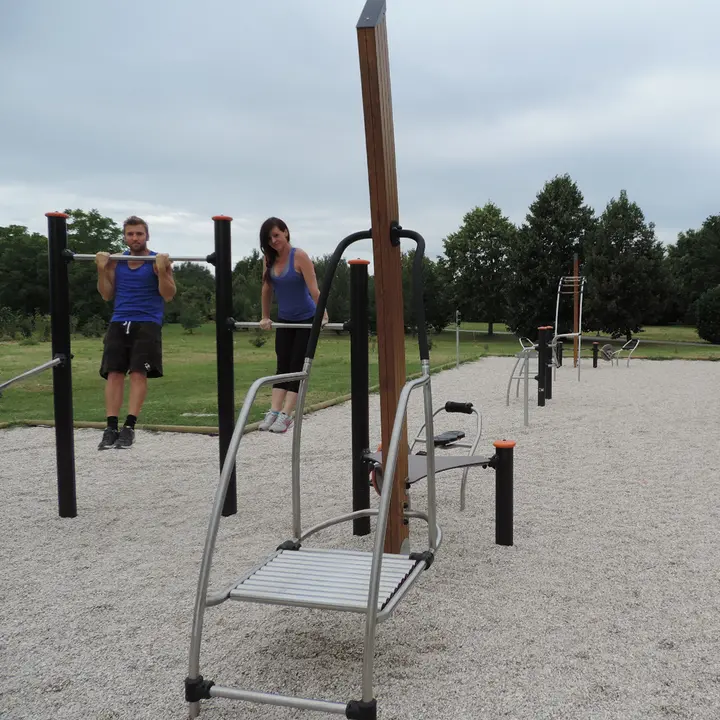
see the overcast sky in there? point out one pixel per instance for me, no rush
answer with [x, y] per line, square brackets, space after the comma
[177, 110]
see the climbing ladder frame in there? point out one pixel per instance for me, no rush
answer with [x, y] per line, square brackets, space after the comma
[570, 285]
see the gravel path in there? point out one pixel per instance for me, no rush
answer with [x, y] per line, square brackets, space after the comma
[607, 606]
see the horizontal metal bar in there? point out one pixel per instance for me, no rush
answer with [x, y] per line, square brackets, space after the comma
[305, 326]
[139, 258]
[369, 512]
[275, 699]
[30, 373]
[310, 603]
[300, 576]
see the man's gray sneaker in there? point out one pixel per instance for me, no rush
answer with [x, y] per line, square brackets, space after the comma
[125, 438]
[110, 435]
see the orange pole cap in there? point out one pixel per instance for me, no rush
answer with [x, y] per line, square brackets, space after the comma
[504, 444]
[56, 214]
[358, 261]
[222, 217]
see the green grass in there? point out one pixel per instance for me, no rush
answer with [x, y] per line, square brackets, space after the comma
[189, 385]
[670, 333]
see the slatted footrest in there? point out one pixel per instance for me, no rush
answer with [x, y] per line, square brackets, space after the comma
[319, 578]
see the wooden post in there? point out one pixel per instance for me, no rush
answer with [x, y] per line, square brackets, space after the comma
[382, 177]
[576, 308]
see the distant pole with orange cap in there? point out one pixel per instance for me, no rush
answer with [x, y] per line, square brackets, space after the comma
[224, 345]
[62, 374]
[504, 491]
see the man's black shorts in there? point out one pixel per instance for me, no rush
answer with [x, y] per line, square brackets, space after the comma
[133, 347]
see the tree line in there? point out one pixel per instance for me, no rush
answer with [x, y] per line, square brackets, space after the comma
[491, 270]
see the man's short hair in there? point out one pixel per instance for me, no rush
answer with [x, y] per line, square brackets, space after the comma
[135, 220]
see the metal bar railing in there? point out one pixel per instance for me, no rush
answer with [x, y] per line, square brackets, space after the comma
[211, 537]
[70, 255]
[297, 326]
[384, 506]
[29, 373]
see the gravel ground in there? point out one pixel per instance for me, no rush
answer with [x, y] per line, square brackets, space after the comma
[607, 606]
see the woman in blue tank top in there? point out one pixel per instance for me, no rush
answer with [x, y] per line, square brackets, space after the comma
[289, 273]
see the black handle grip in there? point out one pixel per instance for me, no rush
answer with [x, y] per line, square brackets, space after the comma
[417, 285]
[455, 407]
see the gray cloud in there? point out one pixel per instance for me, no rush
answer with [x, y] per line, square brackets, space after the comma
[181, 110]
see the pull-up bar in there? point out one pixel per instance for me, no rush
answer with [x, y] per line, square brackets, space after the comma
[327, 326]
[30, 373]
[59, 259]
[70, 255]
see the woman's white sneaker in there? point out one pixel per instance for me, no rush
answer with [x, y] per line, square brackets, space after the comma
[282, 423]
[268, 420]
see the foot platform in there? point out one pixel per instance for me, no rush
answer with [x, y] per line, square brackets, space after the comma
[327, 579]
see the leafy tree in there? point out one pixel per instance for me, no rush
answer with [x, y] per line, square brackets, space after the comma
[624, 266]
[90, 233]
[542, 251]
[338, 305]
[247, 286]
[23, 270]
[695, 263]
[708, 315]
[191, 313]
[436, 298]
[475, 265]
[196, 284]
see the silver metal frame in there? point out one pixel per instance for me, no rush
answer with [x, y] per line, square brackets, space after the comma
[457, 338]
[568, 282]
[296, 326]
[377, 558]
[528, 352]
[418, 440]
[138, 258]
[30, 373]
[614, 355]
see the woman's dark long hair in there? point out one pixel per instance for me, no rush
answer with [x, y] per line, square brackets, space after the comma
[267, 249]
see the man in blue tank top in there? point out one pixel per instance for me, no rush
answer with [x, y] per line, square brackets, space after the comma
[133, 342]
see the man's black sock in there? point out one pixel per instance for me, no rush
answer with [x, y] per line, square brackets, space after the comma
[130, 421]
[112, 422]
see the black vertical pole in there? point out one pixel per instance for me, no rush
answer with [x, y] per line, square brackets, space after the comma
[559, 353]
[504, 491]
[548, 364]
[596, 347]
[360, 389]
[224, 348]
[62, 374]
[541, 376]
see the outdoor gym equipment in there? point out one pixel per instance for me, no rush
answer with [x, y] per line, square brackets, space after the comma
[569, 285]
[447, 440]
[542, 351]
[294, 326]
[58, 360]
[346, 580]
[370, 584]
[609, 353]
[59, 259]
[138, 258]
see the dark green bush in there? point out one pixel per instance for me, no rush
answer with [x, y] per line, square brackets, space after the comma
[708, 315]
